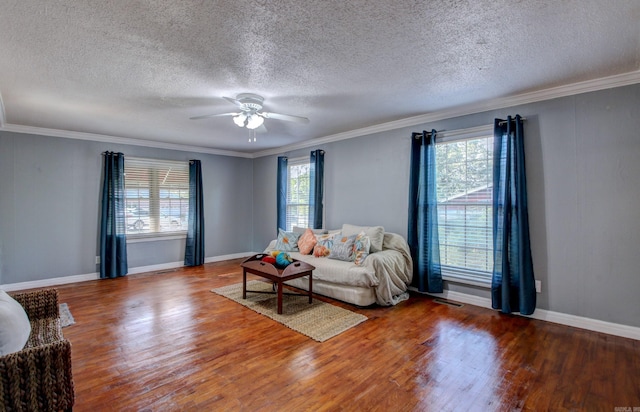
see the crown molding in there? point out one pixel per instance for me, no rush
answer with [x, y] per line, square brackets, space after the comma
[610, 82]
[619, 80]
[118, 140]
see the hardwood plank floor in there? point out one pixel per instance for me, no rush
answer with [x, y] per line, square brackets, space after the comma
[164, 342]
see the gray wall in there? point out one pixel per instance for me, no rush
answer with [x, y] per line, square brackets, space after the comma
[583, 172]
[49, 207]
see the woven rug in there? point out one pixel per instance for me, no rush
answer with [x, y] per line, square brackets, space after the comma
[319, 320]
[65, 316]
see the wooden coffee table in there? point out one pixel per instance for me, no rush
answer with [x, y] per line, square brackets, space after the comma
[256, 266]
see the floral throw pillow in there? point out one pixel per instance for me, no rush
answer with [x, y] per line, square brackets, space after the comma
[361, 248]
[323, 245]
[342, 248]
[321, 251]
[307, 241]
[287, 241]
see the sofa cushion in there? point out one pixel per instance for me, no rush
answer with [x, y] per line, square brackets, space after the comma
[14, 325]
[287, 241]
[306, 242]
[342, 248]
[340, 272]
[375, 233]
[301, 230]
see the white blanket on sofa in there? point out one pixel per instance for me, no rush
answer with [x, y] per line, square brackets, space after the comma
[388, 271]
[394, 269]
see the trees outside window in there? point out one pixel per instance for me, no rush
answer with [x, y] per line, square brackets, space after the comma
[464, 193]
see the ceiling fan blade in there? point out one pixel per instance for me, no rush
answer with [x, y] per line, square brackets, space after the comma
[261, 129]
[233, 101]
[213, 115]
[287, 117]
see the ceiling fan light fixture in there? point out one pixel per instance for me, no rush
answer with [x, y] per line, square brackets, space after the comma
[250, 114]
[254, 121]
[240, 119]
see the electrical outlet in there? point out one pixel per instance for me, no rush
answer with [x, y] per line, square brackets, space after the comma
[538, 286]
[97, 260]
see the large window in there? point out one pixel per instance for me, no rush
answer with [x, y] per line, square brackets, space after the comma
[465, 189]
[298, 193]
[157, 196]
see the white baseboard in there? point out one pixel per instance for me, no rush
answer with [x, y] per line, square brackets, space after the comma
[595, 325]
[155, 268]
[44, 283]
[35, 284]
[229, 257]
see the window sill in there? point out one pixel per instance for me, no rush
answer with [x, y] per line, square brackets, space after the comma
[480, 280]
[155, 237]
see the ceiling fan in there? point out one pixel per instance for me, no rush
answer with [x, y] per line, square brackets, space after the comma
[250, 114]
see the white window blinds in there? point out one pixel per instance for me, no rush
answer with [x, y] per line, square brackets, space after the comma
[157, 196]
[465, 190]
[298, 193]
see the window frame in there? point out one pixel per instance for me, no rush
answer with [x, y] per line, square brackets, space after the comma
[455, 274]
[159, 163]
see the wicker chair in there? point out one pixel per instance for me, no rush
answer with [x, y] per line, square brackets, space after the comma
[38, 378]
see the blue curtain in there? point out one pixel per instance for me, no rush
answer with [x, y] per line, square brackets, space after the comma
[423, 214]
[282, 193]
[513, 284]
[194, 250]
[113, 237]
[316, 184]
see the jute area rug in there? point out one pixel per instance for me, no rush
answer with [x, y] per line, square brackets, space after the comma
[319, 320]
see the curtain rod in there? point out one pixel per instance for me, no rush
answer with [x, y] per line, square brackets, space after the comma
[418, 134]
[505, 122]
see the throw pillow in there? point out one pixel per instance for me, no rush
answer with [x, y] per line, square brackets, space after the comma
[342, 248]
[321, 251]
[287, 241]
[323, 245]
[375, 233]
[14, 325]
[306, 242]
[361, 248]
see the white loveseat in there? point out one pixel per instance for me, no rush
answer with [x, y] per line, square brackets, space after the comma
[383, 277]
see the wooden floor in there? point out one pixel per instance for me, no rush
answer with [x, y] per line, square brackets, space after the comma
[164, 342]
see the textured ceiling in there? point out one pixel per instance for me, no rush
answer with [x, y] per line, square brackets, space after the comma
[140, 68]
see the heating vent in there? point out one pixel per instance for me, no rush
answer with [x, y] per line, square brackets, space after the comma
[447, 302]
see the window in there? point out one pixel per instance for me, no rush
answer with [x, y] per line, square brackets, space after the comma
[157, 196]
[298, 193]
[465, 223]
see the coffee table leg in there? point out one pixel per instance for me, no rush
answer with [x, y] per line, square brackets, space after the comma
[279, 298]
[244, 283]
[310, 286]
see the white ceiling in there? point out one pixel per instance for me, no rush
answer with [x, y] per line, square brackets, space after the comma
[138, 69]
